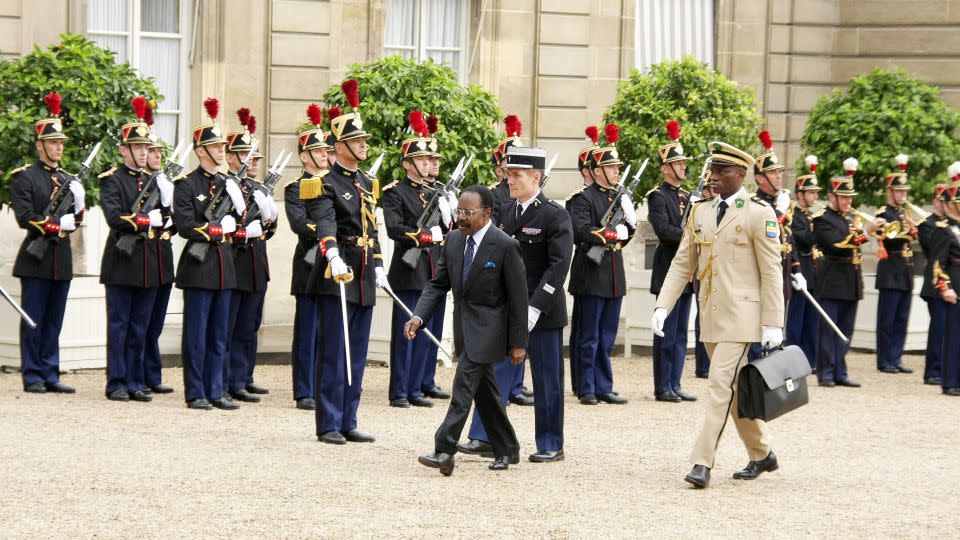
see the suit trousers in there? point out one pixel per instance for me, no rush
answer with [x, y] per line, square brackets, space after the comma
[246, 314]
[516, 379]
[206, 319]
[128, 315]
[726, 359]
[435, 324]
[670, 351]
[600, 318]
[152, 365]
[408, 358]
[303, 357]
[475, 382]
[803, 326]
[831, 355]
[951, 348]
[893, 312]
[337, 401]
[45, 300]
[503, 374]
[937, 309]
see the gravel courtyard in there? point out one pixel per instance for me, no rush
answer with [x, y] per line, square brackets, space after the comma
[880, 461]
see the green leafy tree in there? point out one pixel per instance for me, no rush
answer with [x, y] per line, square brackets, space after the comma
[96, 94]
[708, 106]
[391, 87]
[882, 114]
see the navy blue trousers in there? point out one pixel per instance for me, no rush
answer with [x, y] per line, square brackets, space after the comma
[206, 320]
[435, 325]
[600, 318]
[45, 300]
[573, 345]
[516, 381]
[950, 356]
[702, 359]
[670, 351]
[337, 402]
[128, 316]
[303, 356]
[803, 326]
[408, 358]
[503, 373]
[246, 314]
[152, 365]
[937, 309]
[545, 348]
[831, 355]
[893, 311]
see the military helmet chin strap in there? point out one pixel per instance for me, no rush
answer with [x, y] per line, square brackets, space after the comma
[352, 153]
[414, 164]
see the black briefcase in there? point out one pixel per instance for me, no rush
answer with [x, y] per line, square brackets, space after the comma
[774, 384]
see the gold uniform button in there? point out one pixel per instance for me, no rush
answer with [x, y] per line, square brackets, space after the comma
[714, 308]
[714, 289]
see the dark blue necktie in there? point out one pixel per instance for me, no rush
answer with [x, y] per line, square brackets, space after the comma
[723, 210]
[467, 260]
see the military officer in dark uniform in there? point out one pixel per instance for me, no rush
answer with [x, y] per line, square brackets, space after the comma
[601, 286]
[945, 254]
[131, 280]
[343, 205]
[206, 281]
[927, 233]
[312, 148]
[803, 321]
[45, 277]
[895, 274]
[666, 204]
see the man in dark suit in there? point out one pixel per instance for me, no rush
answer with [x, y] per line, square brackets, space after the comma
[481, 265]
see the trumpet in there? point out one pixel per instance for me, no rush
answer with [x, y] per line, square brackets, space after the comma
[917, 211]
[889, 231]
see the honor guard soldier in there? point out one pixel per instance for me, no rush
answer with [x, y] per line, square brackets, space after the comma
[404, 201]
[44, 261]
[945, 254]
[206, 272]
[732, 244]
[250, 260]
[312, 148]
[131, 278]
[666, 204]
[601, 286]
[803, 321]
[895, 273]
[927, 233]
[343, 205]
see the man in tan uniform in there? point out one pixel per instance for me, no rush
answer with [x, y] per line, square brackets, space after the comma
[732, 245]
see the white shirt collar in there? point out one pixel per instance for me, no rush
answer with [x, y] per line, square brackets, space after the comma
[731, 200]
[525, 205]
[478, 236]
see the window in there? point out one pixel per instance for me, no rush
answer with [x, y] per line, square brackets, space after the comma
[670, 29]
[149, 35]
[422, 29]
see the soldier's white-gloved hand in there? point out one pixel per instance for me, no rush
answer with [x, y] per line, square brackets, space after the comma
[622, 232]
[772, 337]
[169, 223]
[233, 190]
[79, 196]
[629, 212]
[166, 190]
[446, 215]
[68, 223]
[228, 224]
[695, 198]
[263, 203]
[274, 212]
[437, 234]
[798, 282]
[156, 220]
[659, 317]
[533, 315]
[782, 202]
[382, 278]
[338, 267]
[254, 229]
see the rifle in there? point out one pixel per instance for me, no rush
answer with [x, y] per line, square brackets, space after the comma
[267, 187]
[698, 193]
[614, 214]
[546, 172]
[221, 204]
[430, 217]
[60, 202]
[149, 196]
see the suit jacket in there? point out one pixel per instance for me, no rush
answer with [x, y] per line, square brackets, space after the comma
[738, 264]
[546, 244]
[931, 242]
[119, 188]
[665, 207]
[840, 276]
[896, 271]
[490, 308]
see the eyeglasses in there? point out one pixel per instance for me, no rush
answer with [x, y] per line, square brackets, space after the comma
[466, 213]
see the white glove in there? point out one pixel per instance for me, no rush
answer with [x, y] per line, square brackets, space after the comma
[233, 190]
[382, 278]
[772, 336]
[156, 219]
[332, 253]
[695, 198]
[446, 216]
[783, 202]
[168, 224]
[659, 317]
[436, 233]
[166, 190]
[452, 199]
[629, 212]
[68, 223]
[533, 315]
[254, 229]
[798, 282]
[228, 224]
[622, 232]
[79, 197]
[337, 266]
[261, 200]
[274, 213]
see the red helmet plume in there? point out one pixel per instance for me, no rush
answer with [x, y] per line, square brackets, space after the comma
[148, 115]
[416, 123]
[612, 133]
[765, 140]
[351, 90]
[53, 102]
[593, 133]
[139, 105]
[513, 125]
[433, 124]
[252, 124]
[673, 130]
[315, 114]
[333, 112]
[212, 107]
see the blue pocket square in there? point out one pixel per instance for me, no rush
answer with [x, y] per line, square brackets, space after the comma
[490, 264]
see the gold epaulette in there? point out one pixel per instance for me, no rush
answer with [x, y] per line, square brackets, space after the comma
[493, 185]
[391, 185]
[106, 173]
[818, 213]
[942, 223]
[576, 192]
[647, 194]
[311, 188]
[294, 181]
[181, 177]
[20, 169]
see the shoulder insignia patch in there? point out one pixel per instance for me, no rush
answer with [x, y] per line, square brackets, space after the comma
[771, 229]
[106, 173]
[311, 188]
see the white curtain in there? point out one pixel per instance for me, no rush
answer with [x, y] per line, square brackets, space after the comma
[109, 16]
[670, 29]
[400, 33]
[443, 29]
[159, 16]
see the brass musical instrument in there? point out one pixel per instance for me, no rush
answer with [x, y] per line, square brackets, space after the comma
[919, 212]
[889, 231]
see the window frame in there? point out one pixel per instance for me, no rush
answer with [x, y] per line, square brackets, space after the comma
[420, 49]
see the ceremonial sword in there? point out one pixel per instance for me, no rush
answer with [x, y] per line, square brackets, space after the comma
[19, 309]
[423, 328]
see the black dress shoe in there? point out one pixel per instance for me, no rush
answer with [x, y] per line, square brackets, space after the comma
[401, 403]
[522, 400]
[889, 369]
[60, 388]
[588, 399]
[244, 396]
[526, 391]
[699, 476]
[612, 399]
[36, 388]
[685, 396]
[140, 395]
[755, 468]
[933, 381]
[951, 391]
[436, 393]
[702, 375]
[120, 394]
[476, 448]
[848, 383]
[502, 463]
[161, 389]
[357, 436]
[669, 397]
[438, 460]
[200, 404]
[307, 404]
[332, 437]
[903, 369]
[420, 402]
[547, 456]
[256, 389]
[225, 403]
[827, 384]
